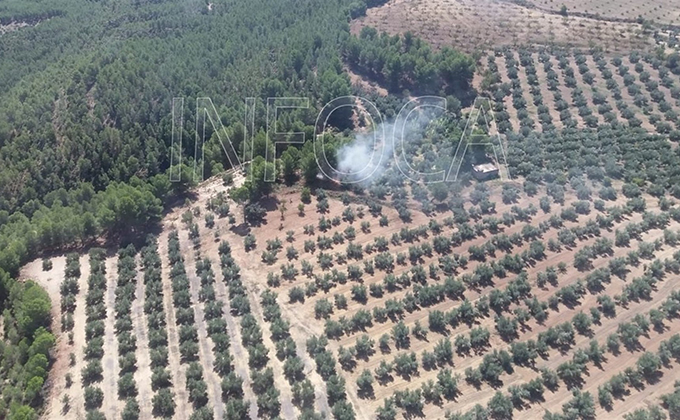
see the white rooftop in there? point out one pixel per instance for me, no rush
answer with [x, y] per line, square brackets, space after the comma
[485, 167]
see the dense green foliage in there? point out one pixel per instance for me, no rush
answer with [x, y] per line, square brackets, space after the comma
[631, 155]
[85, 124]
[409, 63]
[79, 216]
[78, 121]
[25, 350]
[105, 116]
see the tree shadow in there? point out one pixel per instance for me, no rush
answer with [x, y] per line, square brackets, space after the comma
[242, 229]
[633, 346]
[573, 383]
[367, 393]
[385, 380]
[495, 383]
[655, 378]
[410, 413]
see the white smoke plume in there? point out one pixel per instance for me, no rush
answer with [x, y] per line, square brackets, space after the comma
[364, 159]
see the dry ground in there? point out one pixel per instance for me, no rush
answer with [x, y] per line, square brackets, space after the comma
[304, 324]
[478, 24]
[112, 405]
[11, 27]
[143, 373]
[662, 11]
[302, 316]
[364, 84]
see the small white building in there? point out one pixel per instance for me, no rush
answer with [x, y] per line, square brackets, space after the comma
[485, 171]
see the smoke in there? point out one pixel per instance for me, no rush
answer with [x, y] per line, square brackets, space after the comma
[367, 157]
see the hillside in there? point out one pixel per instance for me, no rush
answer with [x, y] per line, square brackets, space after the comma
[350, 209]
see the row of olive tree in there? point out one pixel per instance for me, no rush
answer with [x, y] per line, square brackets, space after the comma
[126, 286]
[286, 351]
[217, 328]
[93, 351]
[154, 308]
[196, 387]
[268, 397]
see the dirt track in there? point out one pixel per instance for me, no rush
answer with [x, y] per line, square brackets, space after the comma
[143, 373]
[111, 406]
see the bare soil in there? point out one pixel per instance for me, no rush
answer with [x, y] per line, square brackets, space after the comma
[304, 324]
[661, 11]
[481, 24]
[303, 314]
[141, 330]
[111, 406]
